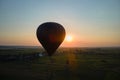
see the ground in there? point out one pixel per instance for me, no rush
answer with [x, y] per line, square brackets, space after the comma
[65, 64]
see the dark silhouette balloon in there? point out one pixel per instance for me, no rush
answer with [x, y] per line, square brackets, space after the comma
[50, 35]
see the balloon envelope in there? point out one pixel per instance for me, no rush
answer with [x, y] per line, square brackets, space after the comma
[50, 35]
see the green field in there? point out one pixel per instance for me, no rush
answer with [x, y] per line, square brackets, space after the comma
[65, 64]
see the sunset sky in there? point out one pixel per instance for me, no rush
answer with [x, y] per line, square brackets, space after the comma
[90, 23]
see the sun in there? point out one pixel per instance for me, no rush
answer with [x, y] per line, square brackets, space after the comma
[69, 38]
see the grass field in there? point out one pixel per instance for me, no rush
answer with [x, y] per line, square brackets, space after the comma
[65, 64]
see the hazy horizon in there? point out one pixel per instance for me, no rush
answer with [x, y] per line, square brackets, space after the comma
[39, 46]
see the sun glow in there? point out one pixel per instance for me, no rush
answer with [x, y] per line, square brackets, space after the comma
[69, 38]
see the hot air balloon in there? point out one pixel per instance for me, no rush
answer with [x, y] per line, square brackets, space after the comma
[50, 35]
